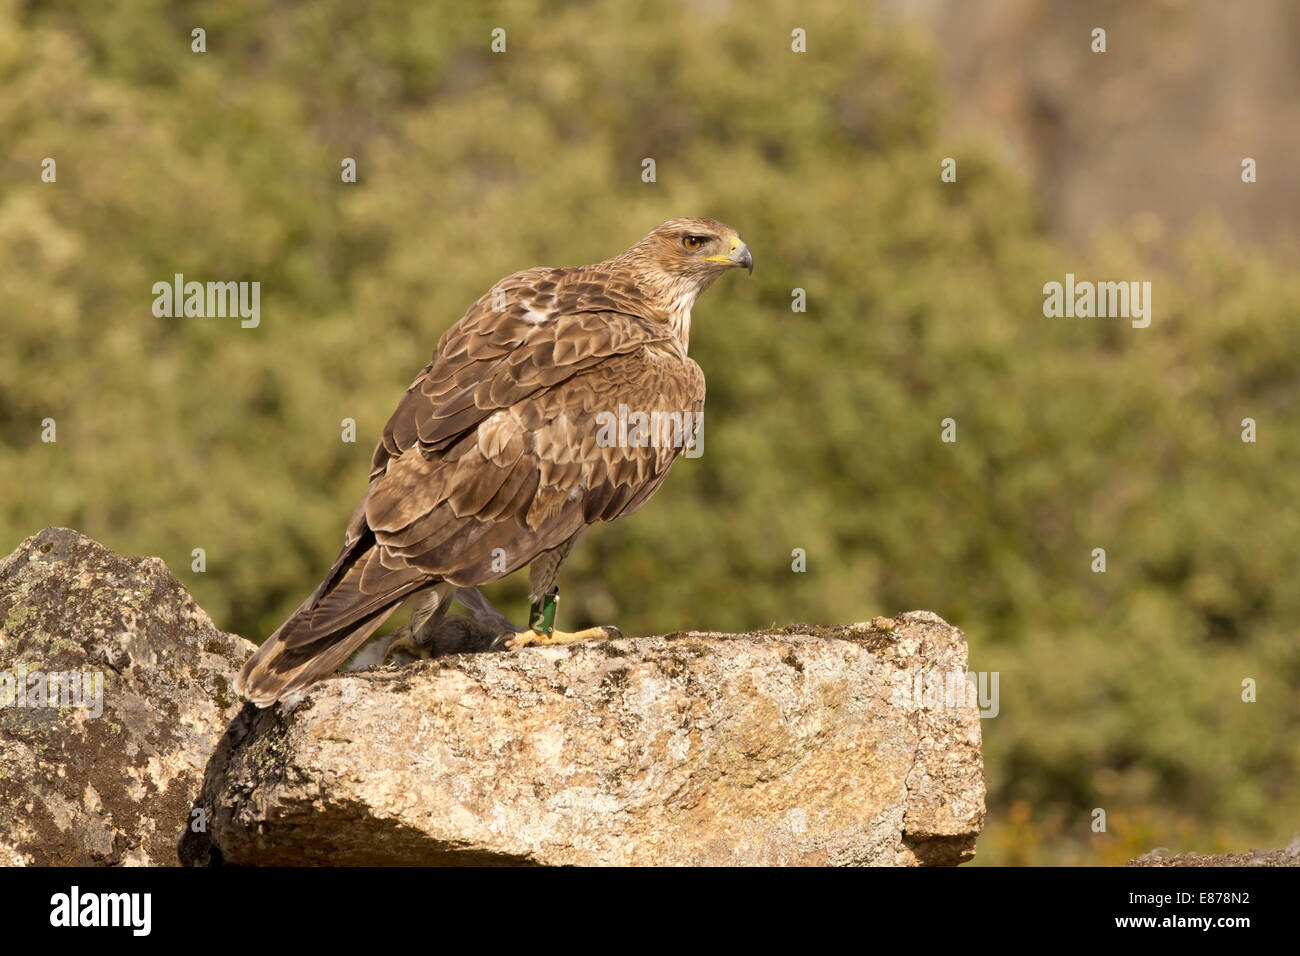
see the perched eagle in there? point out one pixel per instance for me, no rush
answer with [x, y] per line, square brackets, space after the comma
[500, 454]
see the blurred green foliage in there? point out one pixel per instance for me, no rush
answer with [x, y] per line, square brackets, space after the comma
[1118, 690]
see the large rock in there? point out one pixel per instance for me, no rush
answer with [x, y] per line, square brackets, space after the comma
[1287, 856]
[109, 776]
[780, 747]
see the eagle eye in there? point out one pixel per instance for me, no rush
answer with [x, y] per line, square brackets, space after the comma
[694, 242]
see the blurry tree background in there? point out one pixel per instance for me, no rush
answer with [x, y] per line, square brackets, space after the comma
[1119, 690]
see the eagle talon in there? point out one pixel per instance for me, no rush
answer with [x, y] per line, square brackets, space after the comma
[532, 638]
[406, 644]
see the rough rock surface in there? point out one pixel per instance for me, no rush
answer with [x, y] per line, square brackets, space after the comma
[779, 747]
[1288, 856]
[78, 788]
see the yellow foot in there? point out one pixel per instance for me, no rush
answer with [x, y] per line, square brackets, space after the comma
[405, 645]
[532, 638]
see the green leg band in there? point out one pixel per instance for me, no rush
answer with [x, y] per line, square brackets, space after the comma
[541, 615]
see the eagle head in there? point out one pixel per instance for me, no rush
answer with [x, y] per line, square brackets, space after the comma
[703, 248]
[679, 259]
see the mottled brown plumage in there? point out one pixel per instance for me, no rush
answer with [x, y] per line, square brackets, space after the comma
[495, 444]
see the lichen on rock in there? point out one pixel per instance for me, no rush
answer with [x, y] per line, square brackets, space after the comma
[105, 771]
[772, 748]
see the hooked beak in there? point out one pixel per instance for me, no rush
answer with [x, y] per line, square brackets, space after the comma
[741, 257]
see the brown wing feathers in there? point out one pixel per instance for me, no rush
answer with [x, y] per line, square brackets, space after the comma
[492, 446]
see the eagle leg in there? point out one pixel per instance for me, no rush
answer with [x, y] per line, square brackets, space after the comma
[404, 641]
[484, 612]
[541, 631]
[531, 638]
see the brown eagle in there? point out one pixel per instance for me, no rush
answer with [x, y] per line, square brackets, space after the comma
[502, 452]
